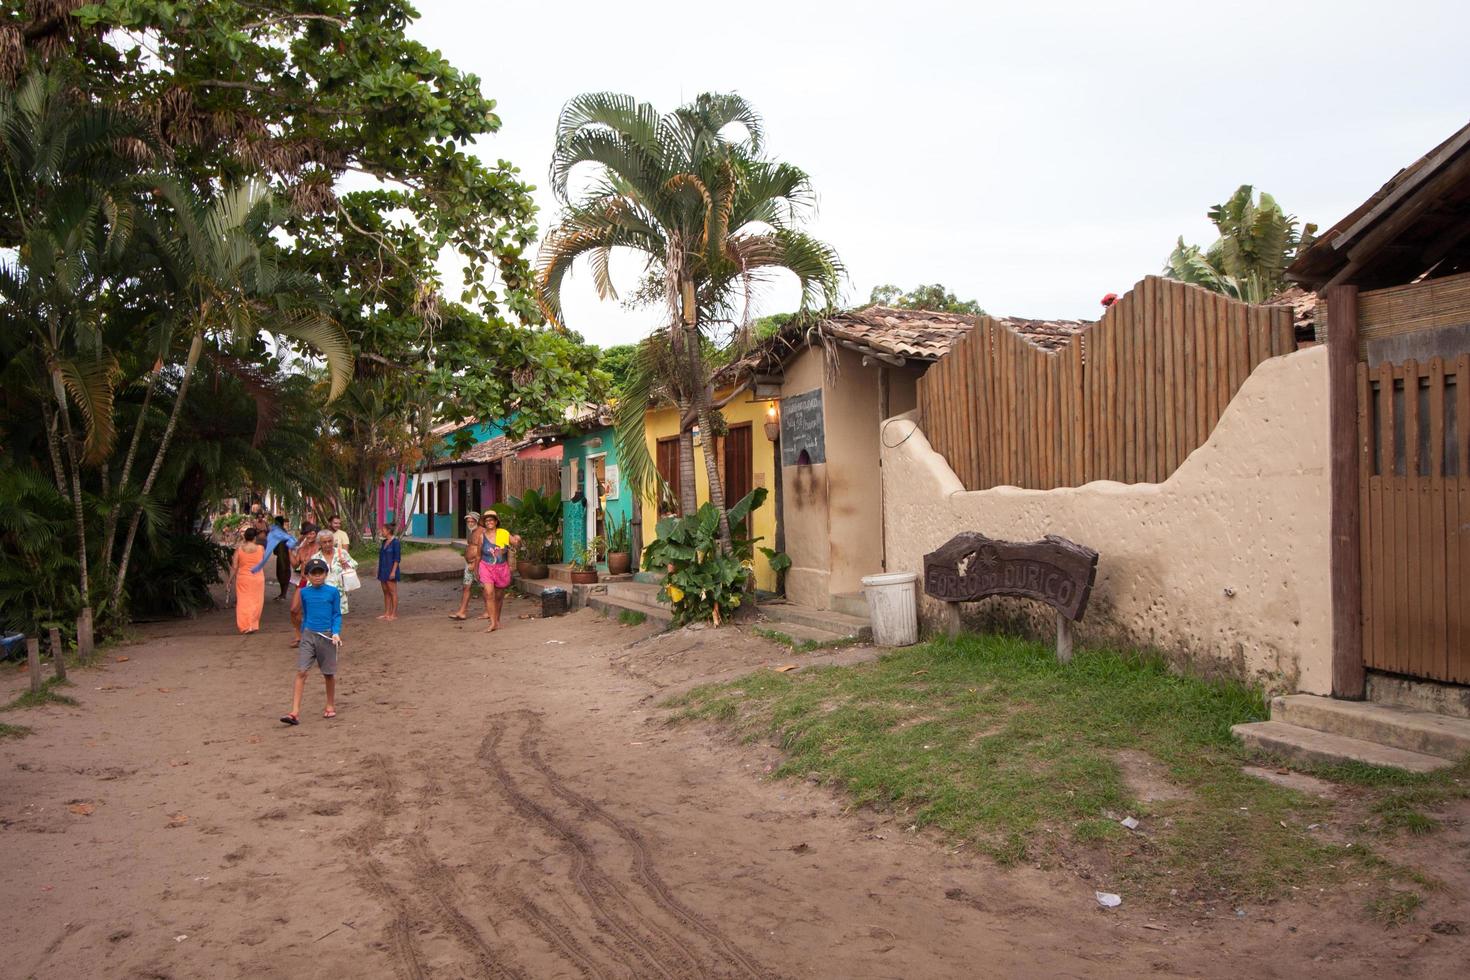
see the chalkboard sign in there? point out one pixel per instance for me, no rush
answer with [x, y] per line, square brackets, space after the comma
[801, 429]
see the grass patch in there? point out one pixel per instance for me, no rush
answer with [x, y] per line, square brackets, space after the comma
[1394, 908]
[13, 731]
[46, 695]
[990, 740]
[632, 617]
[805, 646]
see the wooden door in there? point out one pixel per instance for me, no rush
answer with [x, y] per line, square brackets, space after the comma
[668, 468]
[1414, 477]
[738, 466]
[460, 511]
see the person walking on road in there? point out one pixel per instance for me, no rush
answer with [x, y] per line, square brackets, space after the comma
[493, 545]
[390, 555]
[343, 541]
[306, 549]
[320, 606]
[248, 585]
[339, 564]
[471, 566]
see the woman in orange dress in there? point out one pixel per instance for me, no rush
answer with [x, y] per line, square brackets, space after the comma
[249, 586]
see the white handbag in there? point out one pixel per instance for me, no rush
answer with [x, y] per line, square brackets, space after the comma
[350, 581]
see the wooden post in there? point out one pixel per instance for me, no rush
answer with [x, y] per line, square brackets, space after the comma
[84, 634]
[1348, 675]
[57, 655]
[33, 662]
[952, 619]
[1064, 639]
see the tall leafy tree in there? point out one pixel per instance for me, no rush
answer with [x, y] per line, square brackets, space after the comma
[933, 297]
[1258, 240]
[692, 192]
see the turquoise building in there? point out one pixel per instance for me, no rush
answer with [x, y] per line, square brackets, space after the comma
[595, 498]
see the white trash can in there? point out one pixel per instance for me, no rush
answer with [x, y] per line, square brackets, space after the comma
[893, 608]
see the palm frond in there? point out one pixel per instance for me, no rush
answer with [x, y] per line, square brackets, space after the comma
[92, 385]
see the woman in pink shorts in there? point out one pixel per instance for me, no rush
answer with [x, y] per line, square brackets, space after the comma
[493, 544]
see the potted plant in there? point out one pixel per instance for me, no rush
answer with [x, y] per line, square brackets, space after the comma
[584, 569]
[619, 555]
[536, 517]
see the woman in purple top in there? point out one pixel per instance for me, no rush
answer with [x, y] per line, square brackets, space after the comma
[389, 556]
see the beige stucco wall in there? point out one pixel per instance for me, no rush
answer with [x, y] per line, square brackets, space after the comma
[1224, 564]
[832, 512]
[804, 511]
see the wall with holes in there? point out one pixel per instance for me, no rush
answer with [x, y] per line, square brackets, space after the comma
[1223, 565]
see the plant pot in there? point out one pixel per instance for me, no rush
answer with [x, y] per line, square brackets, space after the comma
[532, 570]
[618, 562]
[584, 578]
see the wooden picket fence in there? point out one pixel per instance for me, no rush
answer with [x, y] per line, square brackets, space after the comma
[1127, 399]
[520, 475]
[1414, 490]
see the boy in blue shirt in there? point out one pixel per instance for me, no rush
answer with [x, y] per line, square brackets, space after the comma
[320, 606]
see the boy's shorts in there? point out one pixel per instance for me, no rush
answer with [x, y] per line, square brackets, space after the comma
[317, 649]
[470, 576]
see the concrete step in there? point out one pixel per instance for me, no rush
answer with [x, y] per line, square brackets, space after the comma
[850, 604]
[1401, 728]
[1310, 745]
[613, 605]
[644, 592]
[800, 634]
[1419, 695]
[829, 620]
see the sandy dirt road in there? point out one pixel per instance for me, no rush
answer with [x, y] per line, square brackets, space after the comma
[515, 805]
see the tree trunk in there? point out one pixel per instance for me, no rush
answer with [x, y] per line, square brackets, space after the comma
[711, 469]
[84, 620]
[688, 496]
[109, 526]
[195, 347]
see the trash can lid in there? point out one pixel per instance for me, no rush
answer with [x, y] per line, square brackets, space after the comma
[553, 591]
[891, 578]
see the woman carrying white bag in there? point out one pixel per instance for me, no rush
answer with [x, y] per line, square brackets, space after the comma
[341, 569]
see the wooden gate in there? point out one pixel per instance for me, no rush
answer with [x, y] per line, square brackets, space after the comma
[1414, 487]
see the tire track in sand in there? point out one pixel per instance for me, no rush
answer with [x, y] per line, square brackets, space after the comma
[375, 877]
[649, 878]
[588, 880]
[589, 877]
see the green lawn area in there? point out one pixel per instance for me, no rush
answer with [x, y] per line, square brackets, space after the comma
[995, 744]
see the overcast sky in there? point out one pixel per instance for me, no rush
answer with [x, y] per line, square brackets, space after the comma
[1032, 156]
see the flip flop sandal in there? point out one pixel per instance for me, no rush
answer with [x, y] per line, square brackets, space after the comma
[329, 714]
[458, 618]
[290, 720]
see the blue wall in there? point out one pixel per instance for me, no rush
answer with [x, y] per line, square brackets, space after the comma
[574, 517]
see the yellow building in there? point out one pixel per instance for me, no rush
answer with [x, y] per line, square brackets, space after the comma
[744, 457]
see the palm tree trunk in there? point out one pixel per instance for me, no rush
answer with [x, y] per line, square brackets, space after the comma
[84, 619]
[712, 470]
[688, 498]
[196, 346]
[109, 526]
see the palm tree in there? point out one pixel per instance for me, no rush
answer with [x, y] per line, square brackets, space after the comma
[69, 197]
[1248, 262]
[712, 218]
[216, 262]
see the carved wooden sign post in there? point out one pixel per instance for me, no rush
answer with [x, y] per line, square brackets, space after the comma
[1056, 571]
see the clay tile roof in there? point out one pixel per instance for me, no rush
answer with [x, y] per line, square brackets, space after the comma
[483, 452]
[919, 334]
[1046, 334]
[916, 335]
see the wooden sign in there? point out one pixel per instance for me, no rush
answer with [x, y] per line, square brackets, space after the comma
[971, 566]
[802, 430]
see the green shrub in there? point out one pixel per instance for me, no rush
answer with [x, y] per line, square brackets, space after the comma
[704, 583]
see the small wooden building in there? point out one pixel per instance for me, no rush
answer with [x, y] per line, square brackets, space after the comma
[1396, 277]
